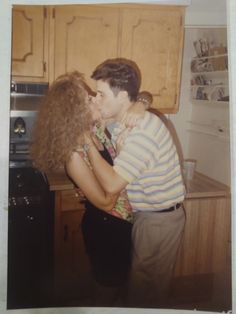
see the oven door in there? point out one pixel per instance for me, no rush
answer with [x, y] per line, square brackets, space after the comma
[30, 239]
[19, 155]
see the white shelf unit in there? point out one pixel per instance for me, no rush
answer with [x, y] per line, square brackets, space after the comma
[209, 79]
[212, 74]
[209, 102]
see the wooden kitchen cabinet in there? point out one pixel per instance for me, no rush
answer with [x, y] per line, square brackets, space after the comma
[205, 247]
[30, 43]
[71, 262]
[84, 37]
[49, 41]
[204, 258]
[152, 36]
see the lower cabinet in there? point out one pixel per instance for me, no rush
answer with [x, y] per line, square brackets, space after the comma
[206, 238]
[71, 261]
[203, 269]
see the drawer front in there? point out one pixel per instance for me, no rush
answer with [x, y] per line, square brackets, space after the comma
[70, 200]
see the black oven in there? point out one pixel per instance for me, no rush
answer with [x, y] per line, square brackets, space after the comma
[31, 204]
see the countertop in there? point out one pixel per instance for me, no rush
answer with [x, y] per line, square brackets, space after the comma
[202, 186]
[59, 181]
[199, 187]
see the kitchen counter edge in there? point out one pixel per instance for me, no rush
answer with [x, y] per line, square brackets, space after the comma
[199, 187]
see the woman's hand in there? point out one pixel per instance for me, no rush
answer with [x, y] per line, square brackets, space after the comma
[137, 110]
[133, 115]
[121, 139]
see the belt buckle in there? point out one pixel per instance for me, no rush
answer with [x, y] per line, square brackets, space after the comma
[176, 206]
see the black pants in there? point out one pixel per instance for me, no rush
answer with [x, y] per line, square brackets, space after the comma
[108, 244]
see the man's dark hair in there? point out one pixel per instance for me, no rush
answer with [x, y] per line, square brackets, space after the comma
[121, 75]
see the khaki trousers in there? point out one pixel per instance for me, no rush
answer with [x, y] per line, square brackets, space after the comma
[156, 238]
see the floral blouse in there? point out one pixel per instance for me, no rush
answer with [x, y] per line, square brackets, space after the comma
[122, 207]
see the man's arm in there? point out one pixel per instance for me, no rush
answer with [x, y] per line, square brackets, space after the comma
[110, 180]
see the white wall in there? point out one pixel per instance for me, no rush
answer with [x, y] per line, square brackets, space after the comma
[180, 119]
[213, 156]
[202, 12]
[211, 152]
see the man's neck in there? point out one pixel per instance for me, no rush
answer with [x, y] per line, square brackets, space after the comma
[118, 118]
[125, 107]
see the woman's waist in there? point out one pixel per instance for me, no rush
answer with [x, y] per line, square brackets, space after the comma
[118, 212]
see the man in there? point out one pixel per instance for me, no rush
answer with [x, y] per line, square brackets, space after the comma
[148, 167]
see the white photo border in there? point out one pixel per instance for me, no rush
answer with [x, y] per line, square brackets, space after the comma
[5, 64]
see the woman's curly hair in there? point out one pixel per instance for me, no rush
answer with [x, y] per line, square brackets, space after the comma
[63, 118]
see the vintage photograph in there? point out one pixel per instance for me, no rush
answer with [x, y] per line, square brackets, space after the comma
[116, 198]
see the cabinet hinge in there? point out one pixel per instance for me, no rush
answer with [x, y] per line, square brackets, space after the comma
[45, 12]
[53, 13]
[44, 67]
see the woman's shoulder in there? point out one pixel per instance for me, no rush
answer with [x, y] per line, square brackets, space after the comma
[79, 155]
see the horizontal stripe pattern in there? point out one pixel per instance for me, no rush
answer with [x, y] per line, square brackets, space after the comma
[150, 163]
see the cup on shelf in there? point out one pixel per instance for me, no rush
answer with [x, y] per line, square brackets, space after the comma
[189, 166]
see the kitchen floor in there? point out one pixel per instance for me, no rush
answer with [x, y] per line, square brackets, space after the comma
[206, 292]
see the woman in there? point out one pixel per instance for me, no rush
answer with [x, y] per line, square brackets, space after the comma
[65, 117]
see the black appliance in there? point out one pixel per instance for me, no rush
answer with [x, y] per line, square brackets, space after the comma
[30, 219]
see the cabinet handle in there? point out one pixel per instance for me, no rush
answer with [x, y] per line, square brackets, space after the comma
[66, 233]
[45, 12]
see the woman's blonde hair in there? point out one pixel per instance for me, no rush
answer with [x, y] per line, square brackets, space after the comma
[63, 118]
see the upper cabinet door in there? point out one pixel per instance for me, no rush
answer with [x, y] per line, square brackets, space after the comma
[153, 38]
[29, 43]
[85, 36]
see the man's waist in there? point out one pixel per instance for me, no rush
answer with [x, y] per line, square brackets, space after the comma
[161, 210]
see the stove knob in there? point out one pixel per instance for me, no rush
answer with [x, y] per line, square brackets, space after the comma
[20, 184]
[19, 175]
[26, 200]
